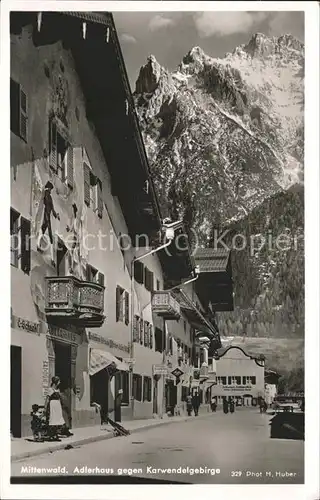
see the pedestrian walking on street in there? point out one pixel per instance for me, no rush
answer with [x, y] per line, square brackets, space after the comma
[225, 406]
[54, 410]
[231, 406]
[213, 404]
[189, 404]
[196, 403]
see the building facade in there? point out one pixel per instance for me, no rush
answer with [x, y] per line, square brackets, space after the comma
[85, 306]
[239, 376]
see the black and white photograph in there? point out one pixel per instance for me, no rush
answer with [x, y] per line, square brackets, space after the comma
[160, 198]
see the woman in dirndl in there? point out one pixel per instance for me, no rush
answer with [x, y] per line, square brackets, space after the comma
[54, 410]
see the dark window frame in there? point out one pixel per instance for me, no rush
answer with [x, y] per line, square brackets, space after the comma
[137, 387]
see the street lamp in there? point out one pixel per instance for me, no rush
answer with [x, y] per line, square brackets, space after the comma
[169, 234]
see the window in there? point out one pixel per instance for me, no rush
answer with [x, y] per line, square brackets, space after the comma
[229, 380]
[191, 334]
[146, 388]
[14, 237]
[253, 380]
[92, 190]
[94, 276]
[238, 380]
[148, 279]
[122, 305]
[141, 331]
[139, 272]
[159, 341]
[137, 387]
[60, 153]
[158, 285]
[125, 387]
[61, 258]
[146, 334]
[18, 110]
[136, 328]
[244, 380]
[224, 380]
[151, 336]
[170, 345]
[20, 233]
[185, 326]
[91, 274]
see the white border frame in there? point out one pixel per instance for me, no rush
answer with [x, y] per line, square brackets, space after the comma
[308, 491]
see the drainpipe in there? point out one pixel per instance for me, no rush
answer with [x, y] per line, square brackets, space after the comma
[196, 271]
[169, 236]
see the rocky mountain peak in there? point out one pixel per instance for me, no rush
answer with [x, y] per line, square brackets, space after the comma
[151, 76]
[224, 136]
[262, 46]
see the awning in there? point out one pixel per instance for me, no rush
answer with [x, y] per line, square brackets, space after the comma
[99, 360]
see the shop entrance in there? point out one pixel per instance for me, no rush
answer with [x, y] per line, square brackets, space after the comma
[99, 387]
[62, 369]
[155, 395]
[171, 396]
[15, 391]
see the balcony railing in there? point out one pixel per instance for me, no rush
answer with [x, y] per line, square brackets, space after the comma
[165, 305]
[75, 301]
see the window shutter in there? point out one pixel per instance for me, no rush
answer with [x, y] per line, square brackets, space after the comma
[149, 389]
[146, 277]
[14, 107]
[136, 329]
[146, 331]
[126, 308]
[88, 273]
[139, 272]
[70, 167]
[118, 303]
[150, 336]
[53, 145]
[86, 182]
[100, 200]
[23, 114]
[101, 279]
[151, 282]
[25, 231]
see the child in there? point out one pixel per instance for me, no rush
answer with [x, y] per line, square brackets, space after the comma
[37, 422]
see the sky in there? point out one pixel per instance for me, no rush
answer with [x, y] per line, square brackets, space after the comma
[170, 35]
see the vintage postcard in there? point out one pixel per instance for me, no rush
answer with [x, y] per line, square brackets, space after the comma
[164, 239]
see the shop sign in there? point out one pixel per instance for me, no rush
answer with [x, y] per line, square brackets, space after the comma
[24, 324]
[177, 372]
[237, 388]
[62, 334]
[109, 342]
[159, 370]
[45, 378]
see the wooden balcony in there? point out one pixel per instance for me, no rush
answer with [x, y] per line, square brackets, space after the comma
[75, 301]
[165, 305]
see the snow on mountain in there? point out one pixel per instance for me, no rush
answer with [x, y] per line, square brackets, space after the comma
[224, 136]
